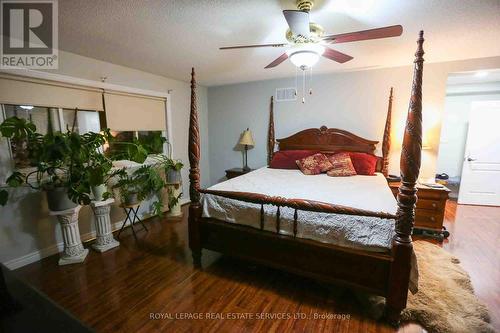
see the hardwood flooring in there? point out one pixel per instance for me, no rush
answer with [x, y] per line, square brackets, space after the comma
[150, 285]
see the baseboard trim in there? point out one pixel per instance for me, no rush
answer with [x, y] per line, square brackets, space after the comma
[51, 250]
[34, 256]
[57, 248]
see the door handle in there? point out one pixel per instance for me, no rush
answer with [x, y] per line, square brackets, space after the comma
[470, 159]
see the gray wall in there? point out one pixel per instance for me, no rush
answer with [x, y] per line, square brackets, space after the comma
[355, 101]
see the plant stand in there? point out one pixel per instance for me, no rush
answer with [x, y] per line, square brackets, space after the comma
[104, 235]
[174, 189]
[74, 252]
[132, 217]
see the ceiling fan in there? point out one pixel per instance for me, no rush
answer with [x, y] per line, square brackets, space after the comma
[307, 41]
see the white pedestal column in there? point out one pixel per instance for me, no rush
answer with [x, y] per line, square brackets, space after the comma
[174, 190]
[104, 236]
[73, 248]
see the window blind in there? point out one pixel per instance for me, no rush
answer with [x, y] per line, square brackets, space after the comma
[31, 91]
[130, 112]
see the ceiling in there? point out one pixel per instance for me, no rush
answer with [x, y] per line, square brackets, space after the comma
[169, 37]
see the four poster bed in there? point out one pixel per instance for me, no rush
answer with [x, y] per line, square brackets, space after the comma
[310, 228]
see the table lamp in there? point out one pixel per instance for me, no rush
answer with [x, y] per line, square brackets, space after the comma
[246, 140]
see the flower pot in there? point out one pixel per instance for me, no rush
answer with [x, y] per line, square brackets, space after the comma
[173, 176]
[58, 200]
[131, 199]
[98, 192]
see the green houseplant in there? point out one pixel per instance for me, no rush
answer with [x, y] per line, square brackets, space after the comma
[151, 146]
[58, 163]
[172, 169]
[49, 161]
[99, 168]
[135, 186]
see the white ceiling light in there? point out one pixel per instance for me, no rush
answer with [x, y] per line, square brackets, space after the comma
[27, 107]
[304, 56]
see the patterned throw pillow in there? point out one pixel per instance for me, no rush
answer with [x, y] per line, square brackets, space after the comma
[314, 165]
[342, 165]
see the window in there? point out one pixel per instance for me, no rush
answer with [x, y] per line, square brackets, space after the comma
[152, 141]
[81, 121]
[45, 118]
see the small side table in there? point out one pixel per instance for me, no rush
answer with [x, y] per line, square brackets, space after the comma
[132, 217]
[235, 172]
[104, 235]
[429, 210]
[74, 252]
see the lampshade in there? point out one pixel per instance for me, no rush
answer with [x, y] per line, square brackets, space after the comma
[305, 55]
[247, 139]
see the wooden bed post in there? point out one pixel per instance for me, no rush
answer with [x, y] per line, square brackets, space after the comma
[270, 133]
[386, 143]
[194, 177]
[407, 197]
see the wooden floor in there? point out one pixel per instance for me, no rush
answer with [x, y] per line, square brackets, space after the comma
[150, 285]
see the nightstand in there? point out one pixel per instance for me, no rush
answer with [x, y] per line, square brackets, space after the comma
[235, 172]
[429, 213]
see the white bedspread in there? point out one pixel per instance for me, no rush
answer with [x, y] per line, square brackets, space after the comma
[363, 192]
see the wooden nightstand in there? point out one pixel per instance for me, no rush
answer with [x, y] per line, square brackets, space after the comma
[429, 213]
[235, 172]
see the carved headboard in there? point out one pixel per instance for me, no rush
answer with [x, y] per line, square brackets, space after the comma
[327, 140]
[330, 140]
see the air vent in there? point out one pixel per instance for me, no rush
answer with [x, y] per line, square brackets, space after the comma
[285, 94]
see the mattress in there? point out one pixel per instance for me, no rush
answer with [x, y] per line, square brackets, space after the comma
[363, 192]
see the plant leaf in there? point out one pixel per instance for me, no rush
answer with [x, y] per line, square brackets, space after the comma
[4, 196]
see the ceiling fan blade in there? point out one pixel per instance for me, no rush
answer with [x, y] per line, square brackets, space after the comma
[298, 21]
[391, 31]
[278, 61]
[336, 55]
[250, 46]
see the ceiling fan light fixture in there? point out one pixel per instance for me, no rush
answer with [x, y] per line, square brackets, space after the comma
[304, 59]
[305, 56]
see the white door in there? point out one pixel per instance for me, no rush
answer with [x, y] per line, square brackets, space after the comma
[480, 184]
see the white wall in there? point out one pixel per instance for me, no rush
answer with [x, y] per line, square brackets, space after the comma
[456, 122]
[26, 231]
[355, 101]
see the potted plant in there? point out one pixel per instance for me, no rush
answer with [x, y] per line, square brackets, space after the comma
[58, 163]
[144, 182]
[128, 186]
[49, 157]
[99, 169]
[172, 168]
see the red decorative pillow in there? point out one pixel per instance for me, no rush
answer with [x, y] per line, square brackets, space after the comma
[314, 165]
[342, 165]
[285, 159]
[364, 164]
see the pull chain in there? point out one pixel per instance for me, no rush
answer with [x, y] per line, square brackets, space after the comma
[303, 86]
[310, 81]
